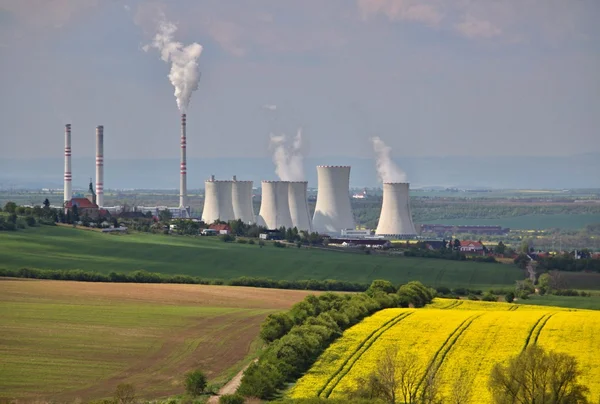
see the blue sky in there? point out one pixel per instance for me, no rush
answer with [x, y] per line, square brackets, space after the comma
[430, 77]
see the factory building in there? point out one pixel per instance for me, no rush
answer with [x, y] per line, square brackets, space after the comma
[332, 211]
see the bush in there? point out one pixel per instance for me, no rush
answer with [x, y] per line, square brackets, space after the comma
[509, 297]
[488, 297]
[251, 241]
[460, 291]
[231, 399]
[278, 244]
[473, 297]
[124, 394]
[195, 383]
[242, 241]
[226, 238]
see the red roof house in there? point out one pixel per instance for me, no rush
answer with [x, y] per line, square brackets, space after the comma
[471, 246]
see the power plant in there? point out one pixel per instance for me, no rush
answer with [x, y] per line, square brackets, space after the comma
[274, 206]
[218, 203]
[67, 187]
[332, 211]
[298, 203]
[241, 195]
[100, 166]
[396, 219]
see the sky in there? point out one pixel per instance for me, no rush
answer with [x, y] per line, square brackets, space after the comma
[429, 77]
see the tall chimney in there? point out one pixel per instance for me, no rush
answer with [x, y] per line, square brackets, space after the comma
[183, 177]
[100, 165]
[67, 186]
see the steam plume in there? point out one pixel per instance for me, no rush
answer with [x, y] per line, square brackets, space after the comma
[184, 74]
[288, 157]
[387, 170]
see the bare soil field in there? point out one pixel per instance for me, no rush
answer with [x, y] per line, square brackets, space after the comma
[64, 341]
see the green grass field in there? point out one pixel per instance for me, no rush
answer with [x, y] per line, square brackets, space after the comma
[528, 222]
[577, 302]
[66, 340]
[66, 248]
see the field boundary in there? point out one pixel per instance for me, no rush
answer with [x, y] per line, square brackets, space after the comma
[358, 352]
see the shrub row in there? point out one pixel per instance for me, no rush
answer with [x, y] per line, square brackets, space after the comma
[298, 337]
[142, 276]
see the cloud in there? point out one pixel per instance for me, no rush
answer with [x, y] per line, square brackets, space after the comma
[41, 14]
[474, 28]
[397, 10]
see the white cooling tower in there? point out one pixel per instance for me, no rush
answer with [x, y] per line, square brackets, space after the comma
[100, 165]
[299, 205]
[395, 218]
[274, 206]
[333, 212]
[217, 201]
[183, 166]
[67, 189]
[241, 195]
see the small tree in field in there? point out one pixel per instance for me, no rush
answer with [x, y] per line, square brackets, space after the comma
[537, 376]
[195, 383]
[124, 394]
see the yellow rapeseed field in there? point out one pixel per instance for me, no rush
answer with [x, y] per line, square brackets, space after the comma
[462, 340]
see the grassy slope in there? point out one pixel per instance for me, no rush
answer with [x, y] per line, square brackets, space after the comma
[592, 302]
[63, 340]
[65, 248]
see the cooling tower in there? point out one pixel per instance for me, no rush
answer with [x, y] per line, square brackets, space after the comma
[274, 206]
[67, 186]
[100, 165]
[183, 173]
[241, 195]
[217, 201]
[333, 212]
[395, 216]
[299, 205]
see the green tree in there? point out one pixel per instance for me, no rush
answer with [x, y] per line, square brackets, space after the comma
[457, 244]
[195, 383]
[10, 207]
[380, 285]
[537, 376]
[500, 248]
[75, 213]
[165, 215]
[46, 204]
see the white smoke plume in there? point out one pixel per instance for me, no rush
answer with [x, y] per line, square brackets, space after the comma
[387, 170]
[270, 107]
[288, 156]
[184, 74]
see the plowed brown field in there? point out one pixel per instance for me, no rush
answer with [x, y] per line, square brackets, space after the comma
[67, 340]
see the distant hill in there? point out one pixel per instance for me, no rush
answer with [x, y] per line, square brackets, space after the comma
[579, 171]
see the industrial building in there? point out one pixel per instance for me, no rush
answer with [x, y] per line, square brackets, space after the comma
[298, 204]
[395, 219]
[241, 195]
[218, 204]
[100, 165]
[274, 206]
[332, 211]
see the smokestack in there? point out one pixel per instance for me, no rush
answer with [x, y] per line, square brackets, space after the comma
[100, 165]
[183, 174]
[332, 211]
[67, 187]
[395, 218]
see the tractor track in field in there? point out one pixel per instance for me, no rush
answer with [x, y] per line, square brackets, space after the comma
[357, 353]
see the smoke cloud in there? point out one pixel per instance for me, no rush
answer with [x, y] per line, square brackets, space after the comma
[288, 156]
[184, 74]
[387, 170]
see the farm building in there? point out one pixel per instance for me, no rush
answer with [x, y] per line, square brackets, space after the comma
[471, 246]
[221, 228]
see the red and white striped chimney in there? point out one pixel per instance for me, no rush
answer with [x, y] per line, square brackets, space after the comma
[67, 186]
[183, 169]
[100, 165]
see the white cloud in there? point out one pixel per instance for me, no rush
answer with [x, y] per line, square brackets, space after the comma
[402, 10]
[474, 28]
